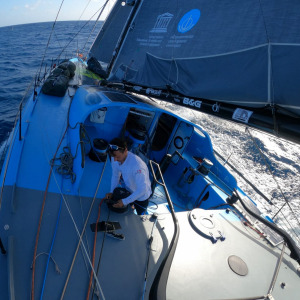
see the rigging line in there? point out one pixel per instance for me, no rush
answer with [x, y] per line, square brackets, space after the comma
[100, 13]
[269, 168]
[296, 237]
[284, 221]
[77, 231]
[56, 37]
[84, 9]
[241, 175]
[52, 244]
[80, 18]
[13, 135]
[274, 138]
[80, 238]
[58, 57]
[53, 25]
[101, 251]
[245, 220]
[52, 166]
[287, 223]
[86, 239]
[43, 205]
[295, 251]
[216, 185]
[41, 216]
[94, 250]
[27, 90]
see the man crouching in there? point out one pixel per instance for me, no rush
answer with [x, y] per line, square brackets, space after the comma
[135, 174]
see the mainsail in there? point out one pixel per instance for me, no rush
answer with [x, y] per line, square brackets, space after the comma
[235, 59]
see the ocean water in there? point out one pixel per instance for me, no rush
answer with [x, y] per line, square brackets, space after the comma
[271, 164]
[22, 49]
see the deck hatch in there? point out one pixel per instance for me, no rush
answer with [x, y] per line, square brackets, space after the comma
[117, 97]
[237, 265]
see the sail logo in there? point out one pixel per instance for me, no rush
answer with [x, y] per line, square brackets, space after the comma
[242, 115]
[192, 102]
[188, 21]
[216, 107]
[162, 23]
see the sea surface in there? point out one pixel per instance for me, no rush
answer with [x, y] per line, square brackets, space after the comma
[270, 163]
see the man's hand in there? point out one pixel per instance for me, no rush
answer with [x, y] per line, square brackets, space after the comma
[119, 204]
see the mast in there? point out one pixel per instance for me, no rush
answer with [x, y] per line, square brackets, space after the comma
[135, 4]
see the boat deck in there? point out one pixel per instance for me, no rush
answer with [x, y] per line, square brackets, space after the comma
[120, 265]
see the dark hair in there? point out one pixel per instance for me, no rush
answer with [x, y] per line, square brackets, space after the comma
[120, 143]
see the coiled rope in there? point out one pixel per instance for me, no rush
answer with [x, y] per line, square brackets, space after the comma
[65, 168]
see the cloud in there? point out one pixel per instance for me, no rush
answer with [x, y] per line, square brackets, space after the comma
[33, 6]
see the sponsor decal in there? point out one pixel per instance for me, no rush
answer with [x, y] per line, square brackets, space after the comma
[157, 35]
[162, 23]
[137, 88]
[192, 102]
[242, 115]
[176, 100]
[150, 91]
[188, 21]
[216, 107]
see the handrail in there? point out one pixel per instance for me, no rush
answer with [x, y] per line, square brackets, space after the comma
[247, 181]
[158, 288]
[295, 251]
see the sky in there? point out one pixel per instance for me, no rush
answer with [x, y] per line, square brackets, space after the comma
[14, 12]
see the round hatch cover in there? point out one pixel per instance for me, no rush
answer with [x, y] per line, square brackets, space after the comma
[207, 224]
[237, 265]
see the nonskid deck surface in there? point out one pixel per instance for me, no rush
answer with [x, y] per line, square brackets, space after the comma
[30, 165]
[122, 261]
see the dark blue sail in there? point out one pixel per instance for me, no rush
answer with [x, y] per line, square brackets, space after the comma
[240, 58]
[109, 35]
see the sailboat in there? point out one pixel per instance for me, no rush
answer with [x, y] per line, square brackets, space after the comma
[201, 237]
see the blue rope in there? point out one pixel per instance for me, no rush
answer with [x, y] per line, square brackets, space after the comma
[52, 244]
